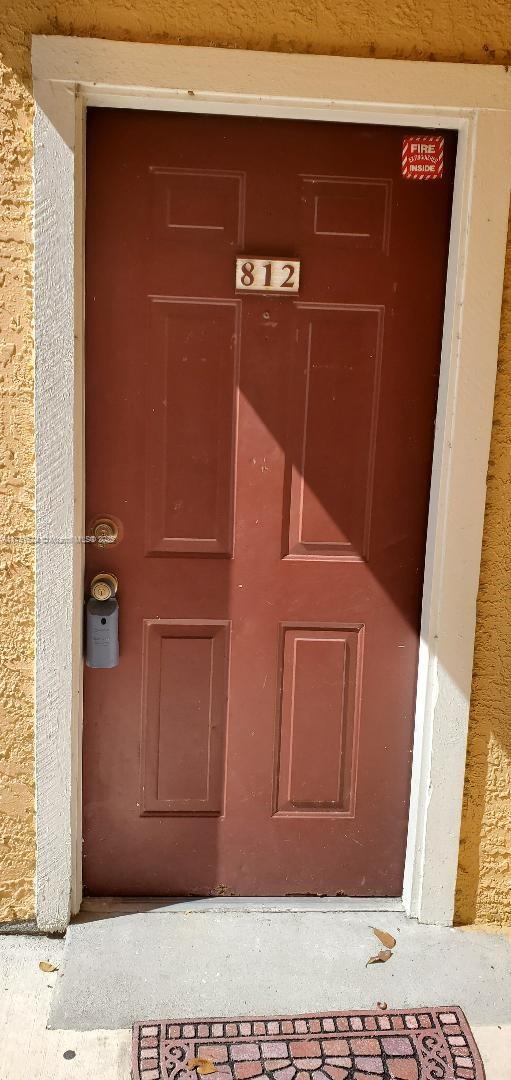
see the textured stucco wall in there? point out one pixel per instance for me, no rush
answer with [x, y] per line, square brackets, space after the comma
[459, 30]
[484, 872]
[16, 501]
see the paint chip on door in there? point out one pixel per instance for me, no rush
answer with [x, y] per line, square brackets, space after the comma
[423, 157]
[267, 275]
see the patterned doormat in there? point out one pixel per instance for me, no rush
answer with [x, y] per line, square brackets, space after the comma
[412, 1044]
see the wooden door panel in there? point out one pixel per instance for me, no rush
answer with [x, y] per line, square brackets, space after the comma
[320, 678]
[190, 426]
[184, 700]
[333, 412]
[193, 207]
[353, 213]
[269, 461]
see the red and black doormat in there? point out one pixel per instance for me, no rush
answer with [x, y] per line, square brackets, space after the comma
[412, 1044]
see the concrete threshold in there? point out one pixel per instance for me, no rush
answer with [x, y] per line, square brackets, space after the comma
[248, 904]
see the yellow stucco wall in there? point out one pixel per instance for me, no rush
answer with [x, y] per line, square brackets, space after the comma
[459, 30]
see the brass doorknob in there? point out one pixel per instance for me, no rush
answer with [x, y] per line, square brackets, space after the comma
[103, 586]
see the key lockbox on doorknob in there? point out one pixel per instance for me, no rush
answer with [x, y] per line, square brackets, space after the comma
[102, 623]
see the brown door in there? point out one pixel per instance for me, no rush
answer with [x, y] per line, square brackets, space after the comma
[269, 459]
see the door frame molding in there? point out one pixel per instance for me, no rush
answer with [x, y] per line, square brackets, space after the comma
[71, 73]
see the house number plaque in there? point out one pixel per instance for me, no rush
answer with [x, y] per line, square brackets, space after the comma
[267, 275]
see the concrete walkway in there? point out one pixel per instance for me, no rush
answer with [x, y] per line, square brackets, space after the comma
[131, 965]
[27, 1050]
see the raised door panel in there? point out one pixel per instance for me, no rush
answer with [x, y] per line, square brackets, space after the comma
[197, 209]
[346, 212]
[191, 426]
[318, 715]
[184, 717]
[333, 416]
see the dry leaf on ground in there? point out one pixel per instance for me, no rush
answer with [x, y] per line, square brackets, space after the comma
[380, 958]
[385, 938]
[44, 965]
[203, 1065]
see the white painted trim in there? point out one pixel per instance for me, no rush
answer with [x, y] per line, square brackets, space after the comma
[71, 73]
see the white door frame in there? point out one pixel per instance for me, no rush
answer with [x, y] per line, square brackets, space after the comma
[71, 73]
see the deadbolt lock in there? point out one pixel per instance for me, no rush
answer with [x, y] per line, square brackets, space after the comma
[106, 531]
[103, 586]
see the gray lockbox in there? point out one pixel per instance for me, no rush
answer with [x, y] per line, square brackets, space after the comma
[102, 633]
